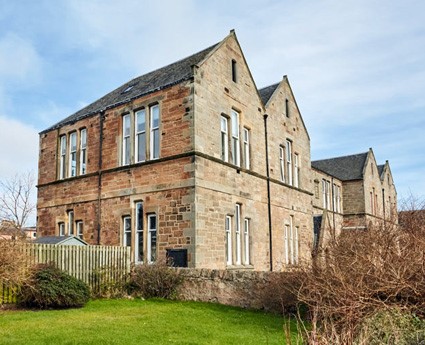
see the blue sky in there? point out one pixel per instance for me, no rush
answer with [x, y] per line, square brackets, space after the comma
[357, 68]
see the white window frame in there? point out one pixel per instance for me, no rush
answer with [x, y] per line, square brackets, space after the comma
[238, 234]
[139, 134]
[296, 170]
[291, 239]
[154, 129]
[139, 233]
[326, 194]
[224, 129]
[151, 230]
[126, 139]
[289, 161]
[83, 151]
[228, 230]
[62, 162]
[61, 229]
[246, 147]
[247, 256]
[126, 229]
[72, 154]
[296, 244]
[70, 223]
[79, 229]
[282, 163]
[236, 153]
[286, 242]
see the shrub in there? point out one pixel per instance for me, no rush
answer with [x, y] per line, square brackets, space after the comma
[360, 274]
[14, 269]
[392, 327]
[51, 288]
[154, 280]
[279, 293]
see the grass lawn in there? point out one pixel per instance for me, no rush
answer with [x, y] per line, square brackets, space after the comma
[142, 322]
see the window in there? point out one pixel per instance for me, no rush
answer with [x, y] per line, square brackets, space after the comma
[70, 223]
[287, 108]
[291, 242]
[326, 194]
[234, 71]
[83, 151]
[289, 161]
[282, 163]
[138, 251]
[228, 228]
[154, 138]
[126, 241]
[296, 245]
[224, 139]
[79, 225]
[140, 136]
[236, 157]
[126, 145]
[246, 138]
[371, 202]
[73, 154]
[61, 229]
[296, 170]
[238, 233]
[286, 243]
[62, 164]
[152, 238]
[336, 198]
[247, 258]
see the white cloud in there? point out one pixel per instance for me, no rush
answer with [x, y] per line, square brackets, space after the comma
[19, 61]
[18, 148]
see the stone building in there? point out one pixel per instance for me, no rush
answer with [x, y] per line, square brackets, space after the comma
[194, 162]
[352, 193]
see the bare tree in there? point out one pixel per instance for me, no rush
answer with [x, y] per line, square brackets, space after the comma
[16, 205]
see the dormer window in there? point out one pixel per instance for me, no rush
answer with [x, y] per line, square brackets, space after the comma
[234, 71]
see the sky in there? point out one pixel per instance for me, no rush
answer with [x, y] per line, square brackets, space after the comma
[357, 68]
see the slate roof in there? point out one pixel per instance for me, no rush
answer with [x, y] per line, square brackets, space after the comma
[267, 92]
[381, 169]
[55, 239]
[344, 168]
[159, 79]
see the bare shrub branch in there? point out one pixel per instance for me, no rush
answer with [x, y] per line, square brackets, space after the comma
[15, 199]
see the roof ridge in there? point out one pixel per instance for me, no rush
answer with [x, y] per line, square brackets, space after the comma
[352, 155]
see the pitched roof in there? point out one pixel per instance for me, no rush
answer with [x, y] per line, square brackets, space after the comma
[159, 79]
[267, 92]
[381, 169]
[58, 240]
[344, 168]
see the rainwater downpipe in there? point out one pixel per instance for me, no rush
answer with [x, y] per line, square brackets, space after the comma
[269, 206]
[99, 185]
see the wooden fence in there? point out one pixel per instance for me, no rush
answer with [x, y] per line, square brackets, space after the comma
[98, 266]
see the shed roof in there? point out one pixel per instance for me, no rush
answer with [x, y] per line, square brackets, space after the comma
[159, 79]
[59, 240]
[344, 168]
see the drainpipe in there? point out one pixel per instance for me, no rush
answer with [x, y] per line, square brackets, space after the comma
[99, 184]
[333, 207]
[269, 206]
